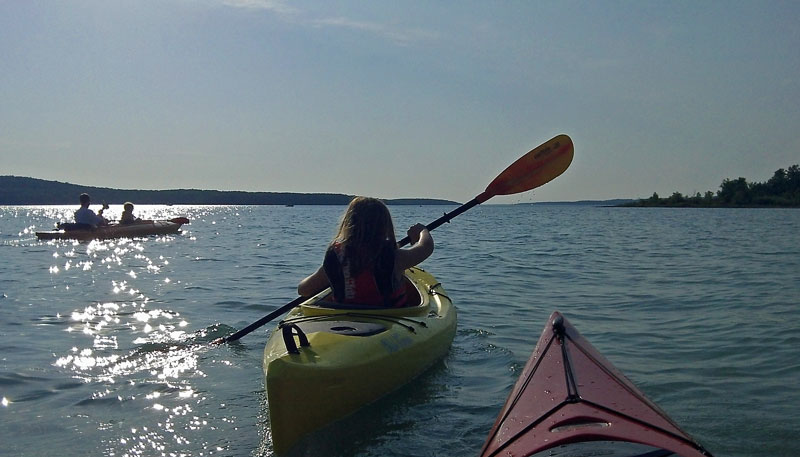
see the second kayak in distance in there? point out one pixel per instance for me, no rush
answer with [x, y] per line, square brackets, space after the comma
[104, 232]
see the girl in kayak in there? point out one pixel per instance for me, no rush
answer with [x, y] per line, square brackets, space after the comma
[363, 264]
[127, 215]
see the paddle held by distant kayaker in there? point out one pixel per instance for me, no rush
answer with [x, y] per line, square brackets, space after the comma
[363, 264]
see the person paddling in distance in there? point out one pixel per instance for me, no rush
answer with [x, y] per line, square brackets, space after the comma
[363, 264]
[86, 216]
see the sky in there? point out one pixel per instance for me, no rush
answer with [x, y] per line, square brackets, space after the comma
[395, 99]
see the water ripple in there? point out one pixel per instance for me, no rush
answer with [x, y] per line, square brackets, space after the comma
[106, 345]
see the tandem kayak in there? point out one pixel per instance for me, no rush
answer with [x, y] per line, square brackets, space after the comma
[570, 401]
[324, 362]
[132, 230]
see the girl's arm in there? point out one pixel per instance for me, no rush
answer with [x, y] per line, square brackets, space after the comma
[421, 248]
[313, 284]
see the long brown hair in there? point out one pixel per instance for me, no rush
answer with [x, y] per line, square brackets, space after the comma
[365, 232]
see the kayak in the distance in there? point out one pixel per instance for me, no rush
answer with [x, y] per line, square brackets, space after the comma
[132, 230]
[571, 401]
[324, 362]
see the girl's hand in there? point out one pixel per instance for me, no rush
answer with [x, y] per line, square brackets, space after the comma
[414, 231]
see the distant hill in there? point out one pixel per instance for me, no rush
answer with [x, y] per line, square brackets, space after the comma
[613, 202]
[16, 190]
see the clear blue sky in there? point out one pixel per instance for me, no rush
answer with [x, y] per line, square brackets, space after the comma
[398, 99]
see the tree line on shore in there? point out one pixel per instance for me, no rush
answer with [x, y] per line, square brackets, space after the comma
[782, 190]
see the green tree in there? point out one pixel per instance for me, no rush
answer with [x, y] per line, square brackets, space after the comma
[793, 176]
[734, 192]
[779, 182]
[783, 189]
[676, 199]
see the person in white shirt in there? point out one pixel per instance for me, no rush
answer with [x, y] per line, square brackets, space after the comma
[86, 216]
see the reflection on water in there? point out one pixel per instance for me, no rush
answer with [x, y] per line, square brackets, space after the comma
[131, 348]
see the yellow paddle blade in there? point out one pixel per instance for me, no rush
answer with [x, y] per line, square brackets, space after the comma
[539, 166]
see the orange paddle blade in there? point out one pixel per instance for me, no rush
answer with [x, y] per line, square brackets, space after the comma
[539, 166]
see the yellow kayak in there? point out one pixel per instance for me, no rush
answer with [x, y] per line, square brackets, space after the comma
[324, 362]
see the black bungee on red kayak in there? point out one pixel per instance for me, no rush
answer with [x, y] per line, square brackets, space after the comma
[570, 401]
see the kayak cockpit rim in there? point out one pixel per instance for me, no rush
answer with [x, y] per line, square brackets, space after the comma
[417, 302]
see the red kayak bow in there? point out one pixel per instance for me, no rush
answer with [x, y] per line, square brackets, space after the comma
[569, 393]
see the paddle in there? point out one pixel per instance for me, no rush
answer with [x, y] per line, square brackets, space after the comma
[539, 166]
[174, 220]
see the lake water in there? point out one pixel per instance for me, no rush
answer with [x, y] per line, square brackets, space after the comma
[98, 353]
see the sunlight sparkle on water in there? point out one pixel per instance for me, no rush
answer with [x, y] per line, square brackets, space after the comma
[119, 345]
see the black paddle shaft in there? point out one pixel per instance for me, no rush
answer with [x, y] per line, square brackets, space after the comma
[444, 219]
[277, 313]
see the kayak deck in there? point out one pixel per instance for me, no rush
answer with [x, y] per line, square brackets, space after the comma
[569, 393]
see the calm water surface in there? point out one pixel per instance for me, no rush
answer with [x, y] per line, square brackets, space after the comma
[102, 344]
